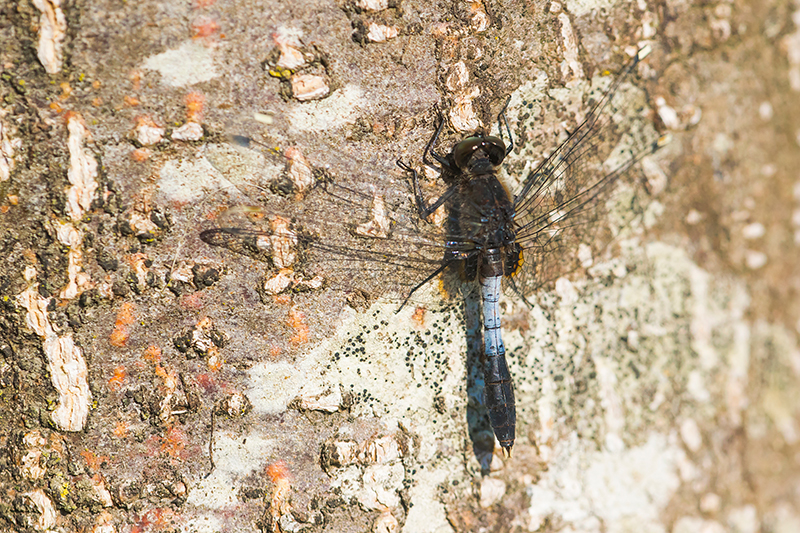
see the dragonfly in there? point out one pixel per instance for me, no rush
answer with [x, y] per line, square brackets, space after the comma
[486, 234]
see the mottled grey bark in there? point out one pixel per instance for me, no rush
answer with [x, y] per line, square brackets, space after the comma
[657, 384]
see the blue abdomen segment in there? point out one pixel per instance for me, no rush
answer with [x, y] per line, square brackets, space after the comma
[498, 390]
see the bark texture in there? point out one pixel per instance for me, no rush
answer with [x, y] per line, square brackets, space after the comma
[657, 385]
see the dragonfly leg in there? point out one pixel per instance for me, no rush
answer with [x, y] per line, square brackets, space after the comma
[429, 150]
[442, 267]
[423, 209]
[501, 119]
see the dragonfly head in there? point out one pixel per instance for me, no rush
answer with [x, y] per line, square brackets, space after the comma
[479, 153]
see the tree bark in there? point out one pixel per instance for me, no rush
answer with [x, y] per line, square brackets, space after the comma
[152, 382]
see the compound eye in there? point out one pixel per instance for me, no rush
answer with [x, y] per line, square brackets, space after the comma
[464, 150]
[495, 148]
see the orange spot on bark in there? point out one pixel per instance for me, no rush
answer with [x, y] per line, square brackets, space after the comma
[121, 430]
[204, 26]
[169, 379]
[297, 321]
[136, 79]
[66, 90]
[116, 381]
[152, 353]
[156, 520]
[279, 475]
[274, 351]
[283, 299]
[194, 106]
[212, 215]
[94, 462]
[145, 120]
[88, 457]
[206, 382]
[174, 443]
[193, 301]
[55, 107]
[131, 101]
[141, 154]
[69, 115]
[418, 317]
[125, 315]
[104, 519]
[119, 337]
[278, 472]
[215, 360]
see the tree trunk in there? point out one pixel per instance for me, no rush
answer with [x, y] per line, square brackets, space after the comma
[151, 382]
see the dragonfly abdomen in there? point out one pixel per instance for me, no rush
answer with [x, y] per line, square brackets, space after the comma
[498, 388]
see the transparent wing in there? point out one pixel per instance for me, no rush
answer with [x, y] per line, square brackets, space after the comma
[562, 202]
[354, 231]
